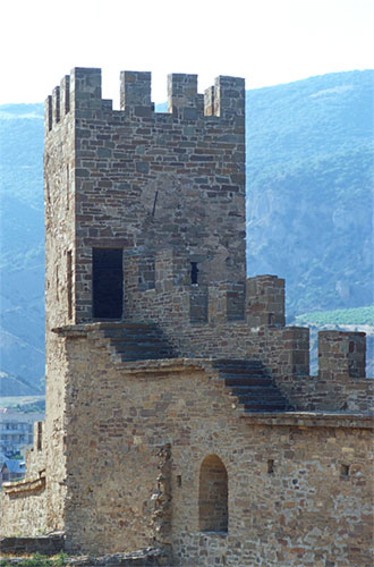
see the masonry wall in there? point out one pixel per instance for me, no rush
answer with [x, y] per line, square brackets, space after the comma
[146, 181]
[305, 512]
[298, 494]
[23, 504]
[60, 209]
[125, 442]
[23, 515]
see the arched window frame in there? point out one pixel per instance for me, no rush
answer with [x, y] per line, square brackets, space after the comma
[213, 495]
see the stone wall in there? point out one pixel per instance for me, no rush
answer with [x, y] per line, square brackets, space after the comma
[299, 488]
[23, 504]
[137, 435]
[144, 181]
[146, 453]
[23, 507]
[341, 383]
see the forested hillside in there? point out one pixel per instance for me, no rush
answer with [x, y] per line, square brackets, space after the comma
[310, 172]
[22, 241]
[310, 189]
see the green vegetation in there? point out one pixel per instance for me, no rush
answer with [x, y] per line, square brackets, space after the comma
[38, 560]
[358, 316]
[310, 174]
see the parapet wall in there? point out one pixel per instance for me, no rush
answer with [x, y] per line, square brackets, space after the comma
[24, 503]
[341, 383]
[82, 90]
[341, 355]
[158, 287]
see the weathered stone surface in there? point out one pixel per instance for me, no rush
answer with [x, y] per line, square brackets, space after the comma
[45, 545]
[191, 424]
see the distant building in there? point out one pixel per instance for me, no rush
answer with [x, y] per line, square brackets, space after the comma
[16, 430]
[11, 470]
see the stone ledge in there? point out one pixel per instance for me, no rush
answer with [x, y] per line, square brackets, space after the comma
[72, 331]
[312, 419]
[162, 365]
[25, 486]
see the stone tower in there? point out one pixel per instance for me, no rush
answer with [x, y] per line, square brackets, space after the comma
[181, 415]
[145, 218]
[138, 201]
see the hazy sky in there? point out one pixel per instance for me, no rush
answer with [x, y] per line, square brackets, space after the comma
[266, 41]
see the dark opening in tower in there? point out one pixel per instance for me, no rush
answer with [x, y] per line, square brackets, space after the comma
[107, 283]
[194, 273]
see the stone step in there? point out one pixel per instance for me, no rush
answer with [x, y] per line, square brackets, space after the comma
[133, 331]
[237, 365]
[253, 408]
[256, 389]
[143, 356]
[263, 401]
[140, 346]
[143, 340]
[245, 377]
[274, 398]
[133, 349]
[249, 381]
[138, 341]
[242, 371]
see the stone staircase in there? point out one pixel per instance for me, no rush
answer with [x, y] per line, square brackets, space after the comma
[138, 341]
[250, 382]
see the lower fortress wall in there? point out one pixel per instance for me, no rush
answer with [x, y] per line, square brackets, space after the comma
[297, 494]
[23, 513]
[298, 487]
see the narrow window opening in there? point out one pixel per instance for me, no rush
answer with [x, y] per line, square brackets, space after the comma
[194, 273]
[39, 442]
[344, 471]
[179, 480]
[70, 283]
[270, 466]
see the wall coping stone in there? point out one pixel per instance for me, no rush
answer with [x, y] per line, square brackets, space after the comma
[25, 486]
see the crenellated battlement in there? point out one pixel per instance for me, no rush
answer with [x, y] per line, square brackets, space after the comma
[135, 90]
[82, 90]
[341, 355]
[183, 98]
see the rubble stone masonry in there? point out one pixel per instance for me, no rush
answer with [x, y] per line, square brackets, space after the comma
[181, 414]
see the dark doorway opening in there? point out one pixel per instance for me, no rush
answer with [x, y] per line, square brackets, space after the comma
[107, 283]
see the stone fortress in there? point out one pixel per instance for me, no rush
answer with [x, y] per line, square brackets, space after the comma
[181, 414]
